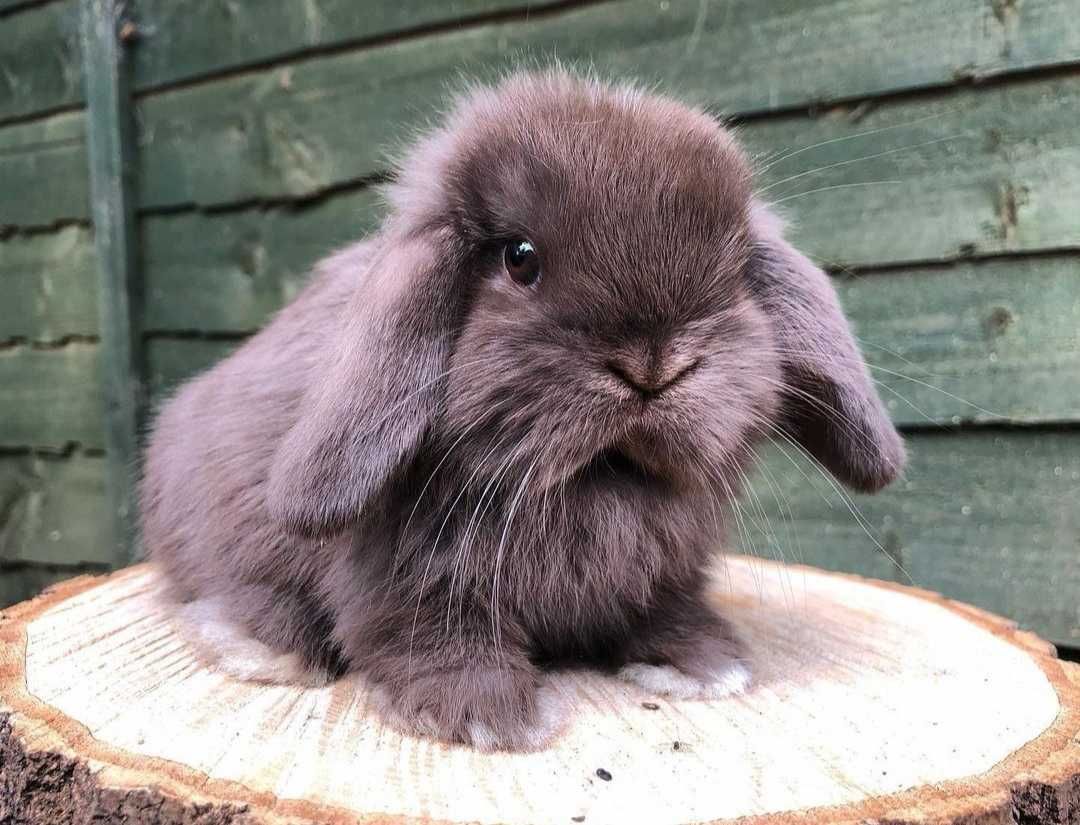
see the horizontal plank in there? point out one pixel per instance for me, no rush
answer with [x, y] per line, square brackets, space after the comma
[243, 33]
[743, 57]
[171, 361]
[50, 397]
[43, 167]
[53, 510]
[296, 130]
[229, 272]
[984, 170]
[987, 517]
[996, 340]
[42, 59]
[21, 582]
[49, 287]
[12, 5]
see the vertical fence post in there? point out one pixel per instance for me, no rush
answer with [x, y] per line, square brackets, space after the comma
[111, 155]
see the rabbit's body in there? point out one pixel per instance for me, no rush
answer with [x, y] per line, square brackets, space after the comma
[446, 472]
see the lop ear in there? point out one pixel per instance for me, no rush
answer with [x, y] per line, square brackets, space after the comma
[380, 388]
[830, 406]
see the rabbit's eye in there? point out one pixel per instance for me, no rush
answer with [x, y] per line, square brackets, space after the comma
[521, 262]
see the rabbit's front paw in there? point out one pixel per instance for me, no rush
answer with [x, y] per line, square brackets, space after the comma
[489, 709]
[728, 679]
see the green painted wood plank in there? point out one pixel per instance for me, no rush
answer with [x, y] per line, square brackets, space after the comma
[229, 272]
[48, 285]
[111, 156]
[43, 169]
[21, 582]
[968, 161]
[51, 397]
[997, 340]
[171, 361]
[53, 510]
[981, 171]
[238, 34]
[987, 517]
[741, 56]
[40, 59]
[12, 5]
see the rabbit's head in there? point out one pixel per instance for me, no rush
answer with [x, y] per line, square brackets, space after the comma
[576, 285]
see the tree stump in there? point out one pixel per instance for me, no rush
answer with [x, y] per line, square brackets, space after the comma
[871, 703]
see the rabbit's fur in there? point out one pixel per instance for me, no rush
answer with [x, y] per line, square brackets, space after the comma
[425, 472]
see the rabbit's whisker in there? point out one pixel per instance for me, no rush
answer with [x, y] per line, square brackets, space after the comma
[835, 186]
[849, 161]
[496, 618]
[431, 555]
[867, 133]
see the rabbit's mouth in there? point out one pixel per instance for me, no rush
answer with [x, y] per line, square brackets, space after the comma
[616, 463]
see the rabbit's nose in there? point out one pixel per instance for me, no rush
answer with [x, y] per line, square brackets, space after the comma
[650, 376]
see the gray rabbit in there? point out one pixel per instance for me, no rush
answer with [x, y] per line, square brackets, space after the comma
[501, 434]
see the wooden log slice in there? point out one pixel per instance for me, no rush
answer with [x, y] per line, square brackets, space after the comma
[872, 703]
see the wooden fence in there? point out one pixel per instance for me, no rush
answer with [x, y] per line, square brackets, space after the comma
[929, 154]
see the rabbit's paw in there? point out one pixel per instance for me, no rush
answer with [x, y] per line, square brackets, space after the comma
[231, 649]
[731, 678]
[486, 708]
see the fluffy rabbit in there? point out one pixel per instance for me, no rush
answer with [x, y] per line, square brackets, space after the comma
[501, 434]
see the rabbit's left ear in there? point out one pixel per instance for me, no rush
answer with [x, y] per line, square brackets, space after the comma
[383, 383]
[830, 404]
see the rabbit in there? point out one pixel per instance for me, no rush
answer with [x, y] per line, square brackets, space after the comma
[500, 436]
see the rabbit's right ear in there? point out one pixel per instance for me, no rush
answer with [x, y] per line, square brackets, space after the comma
[831, 406]
[381, 386]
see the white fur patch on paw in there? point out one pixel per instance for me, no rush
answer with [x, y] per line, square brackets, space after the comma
[665, 680]
[232, 650]
[550, 713]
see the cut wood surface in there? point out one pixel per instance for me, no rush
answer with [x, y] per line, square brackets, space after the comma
[872, 702]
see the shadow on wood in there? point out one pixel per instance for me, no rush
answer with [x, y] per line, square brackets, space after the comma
[871, 702]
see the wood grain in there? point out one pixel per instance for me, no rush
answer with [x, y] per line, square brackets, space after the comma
[871, 702]
[997, 340]
[985, 516]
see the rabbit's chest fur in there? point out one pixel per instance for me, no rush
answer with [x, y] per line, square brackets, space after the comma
[577, 569]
